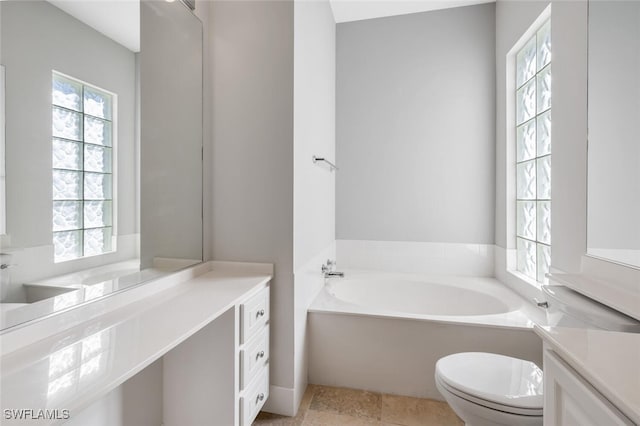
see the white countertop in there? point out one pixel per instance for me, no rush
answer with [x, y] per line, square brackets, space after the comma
[75, 367]
[609, 360]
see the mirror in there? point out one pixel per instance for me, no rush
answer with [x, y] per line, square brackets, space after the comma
[613, 211]
[102, 150]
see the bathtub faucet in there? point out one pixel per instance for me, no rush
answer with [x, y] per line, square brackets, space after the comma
[329, 270]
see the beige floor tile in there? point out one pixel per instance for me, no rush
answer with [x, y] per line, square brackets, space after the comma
[306, 398]
[268, 419]
[350, 402]
[325, 418]
[329, 406]
[409, 411]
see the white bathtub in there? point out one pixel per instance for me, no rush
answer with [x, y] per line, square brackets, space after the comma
[384, 332]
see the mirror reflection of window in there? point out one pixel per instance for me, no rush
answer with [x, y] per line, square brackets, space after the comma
[66, 300]
[97, 290]
[82, 141]
[86, 48]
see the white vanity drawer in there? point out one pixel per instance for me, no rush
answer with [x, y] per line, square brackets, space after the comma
[254, 313]
[254, 398]
[254, 357]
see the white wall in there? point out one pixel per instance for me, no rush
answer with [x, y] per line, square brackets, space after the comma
[36, 39]
[252, 154]
[569, 139]
[313, 128]
[415, 127]
[313, 184]
[171, 132]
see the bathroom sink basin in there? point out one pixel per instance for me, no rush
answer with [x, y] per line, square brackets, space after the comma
[35, 293]
[38, 292]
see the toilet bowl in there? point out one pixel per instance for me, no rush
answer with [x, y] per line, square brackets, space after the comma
[489, 389]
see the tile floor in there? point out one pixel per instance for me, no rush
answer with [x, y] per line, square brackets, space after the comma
[329, 406]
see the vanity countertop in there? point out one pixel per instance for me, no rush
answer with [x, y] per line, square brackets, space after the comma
[609, 360]
[71, 369]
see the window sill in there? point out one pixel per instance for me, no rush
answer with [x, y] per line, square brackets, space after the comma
[525, 279]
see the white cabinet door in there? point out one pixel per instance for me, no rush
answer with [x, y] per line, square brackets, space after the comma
[569, 400]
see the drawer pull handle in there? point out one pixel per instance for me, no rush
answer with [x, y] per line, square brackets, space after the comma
[260, 313]
[260, 355]
[259, 397]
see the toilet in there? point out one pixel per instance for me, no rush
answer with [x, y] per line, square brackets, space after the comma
[487, 389]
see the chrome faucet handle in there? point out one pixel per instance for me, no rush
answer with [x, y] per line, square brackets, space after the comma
[8, 265]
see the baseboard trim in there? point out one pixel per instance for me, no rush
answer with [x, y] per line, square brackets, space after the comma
[281, 401]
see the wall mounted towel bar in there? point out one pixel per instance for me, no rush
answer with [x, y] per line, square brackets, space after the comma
[332, 166]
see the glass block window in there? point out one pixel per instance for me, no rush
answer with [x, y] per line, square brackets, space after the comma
[533, 155]
[82, 148]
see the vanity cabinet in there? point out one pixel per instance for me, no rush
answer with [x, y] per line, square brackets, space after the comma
[207, 327]
[220, 375]
[569, 400]
[254, 356]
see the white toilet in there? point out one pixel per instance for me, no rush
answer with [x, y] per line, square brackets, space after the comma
[489, 390]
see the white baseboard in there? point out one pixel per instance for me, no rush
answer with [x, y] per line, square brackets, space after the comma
[281, 401]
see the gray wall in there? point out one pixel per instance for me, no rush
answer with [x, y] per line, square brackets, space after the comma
[415, 127]
[36, 39]
[171, 132]
[252, 153]
[569, 116]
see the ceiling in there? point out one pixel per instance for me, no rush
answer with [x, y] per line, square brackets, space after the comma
[357, 10]
[119, 20]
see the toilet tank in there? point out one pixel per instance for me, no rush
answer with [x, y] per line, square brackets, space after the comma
[568, 308]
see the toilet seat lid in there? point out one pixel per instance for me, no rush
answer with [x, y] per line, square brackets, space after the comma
[500, 379]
